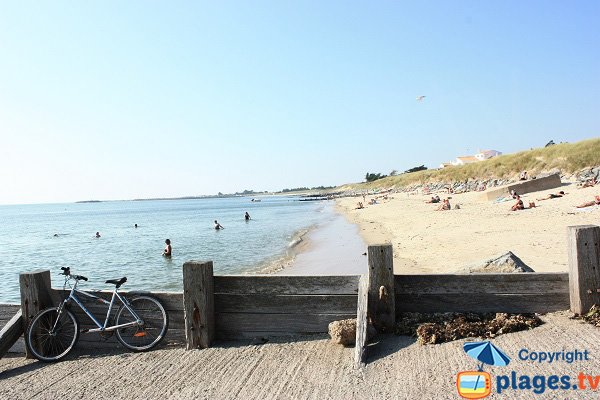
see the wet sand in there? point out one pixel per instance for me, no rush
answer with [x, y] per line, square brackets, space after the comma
[333, 248]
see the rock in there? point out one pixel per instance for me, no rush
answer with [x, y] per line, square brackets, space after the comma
[344, 331]
[506, 263]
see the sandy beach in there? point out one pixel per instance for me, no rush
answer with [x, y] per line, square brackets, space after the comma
[428, 241]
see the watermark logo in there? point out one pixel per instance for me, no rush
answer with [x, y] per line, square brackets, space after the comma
[478, 384]
[474, 384]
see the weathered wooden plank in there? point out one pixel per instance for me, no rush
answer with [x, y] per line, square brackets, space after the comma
[292, 285]
[7, 311]
[259, 303]
[477, 303]
[525, 283]
[282, 323]
[381, 287]
[35, 296]
[11, 332]
[362, 321]
[584, 267]
[198, 304]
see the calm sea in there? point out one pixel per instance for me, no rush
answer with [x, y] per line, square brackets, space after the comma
[50, 236]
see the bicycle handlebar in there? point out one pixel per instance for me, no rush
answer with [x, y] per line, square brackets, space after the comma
[67, 272]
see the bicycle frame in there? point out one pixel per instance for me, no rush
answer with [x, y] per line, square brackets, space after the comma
[101, 327]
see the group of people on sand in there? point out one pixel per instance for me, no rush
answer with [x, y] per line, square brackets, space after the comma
[520, 206]
[168, 251]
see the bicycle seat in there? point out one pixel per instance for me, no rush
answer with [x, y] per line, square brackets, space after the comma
[117, 282]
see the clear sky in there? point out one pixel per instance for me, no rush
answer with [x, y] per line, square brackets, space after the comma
[121, 100]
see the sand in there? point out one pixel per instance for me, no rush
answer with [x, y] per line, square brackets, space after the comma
[428, 241]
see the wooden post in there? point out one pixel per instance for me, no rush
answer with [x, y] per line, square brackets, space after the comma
[382, 306]
[198, 304]
[584, 267]
[35, 296]
[362, 322]
[11, 332]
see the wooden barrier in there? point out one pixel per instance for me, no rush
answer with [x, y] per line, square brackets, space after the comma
[35, 296]
[198, 304]
[381, 302]
[584, 267]
[362, 322]
[258, 306]
[480, 293]
[11, 332]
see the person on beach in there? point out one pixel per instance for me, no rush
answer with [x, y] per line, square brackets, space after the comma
[596, 202]
[218, 226]
[518, 205]
[359, 206]
[588, 183]
[168, 249]
[553, 196]
[135, 225]
[97, 235]
[444, 206]
[247, 216]
[523, 176]
[434, 199]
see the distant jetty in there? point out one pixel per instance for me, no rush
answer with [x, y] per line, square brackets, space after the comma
[89, 201]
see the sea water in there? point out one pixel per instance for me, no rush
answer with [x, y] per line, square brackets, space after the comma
[51, 236]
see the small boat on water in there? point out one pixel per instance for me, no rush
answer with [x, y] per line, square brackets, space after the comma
[255, 200]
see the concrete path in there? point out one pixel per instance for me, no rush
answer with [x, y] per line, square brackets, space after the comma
[309, 368]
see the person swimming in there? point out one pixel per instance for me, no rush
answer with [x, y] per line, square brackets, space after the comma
[218, 226]
[168, 249]
[97, 234]
[247, 216]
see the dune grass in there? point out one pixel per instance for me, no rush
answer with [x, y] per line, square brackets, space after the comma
[567, 158]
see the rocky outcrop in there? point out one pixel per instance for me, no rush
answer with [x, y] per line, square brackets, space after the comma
[506, 263]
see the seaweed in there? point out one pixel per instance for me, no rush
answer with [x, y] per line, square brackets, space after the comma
[445, 327]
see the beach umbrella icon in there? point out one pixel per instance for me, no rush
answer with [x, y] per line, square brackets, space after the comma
[486, 353]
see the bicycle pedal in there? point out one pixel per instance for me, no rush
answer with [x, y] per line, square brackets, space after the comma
[106, 334]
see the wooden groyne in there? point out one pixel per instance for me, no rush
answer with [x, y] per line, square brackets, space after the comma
[213, 308]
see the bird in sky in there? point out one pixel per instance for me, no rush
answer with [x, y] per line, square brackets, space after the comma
[420, 98]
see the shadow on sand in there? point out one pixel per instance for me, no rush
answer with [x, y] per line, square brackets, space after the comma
[386, 345]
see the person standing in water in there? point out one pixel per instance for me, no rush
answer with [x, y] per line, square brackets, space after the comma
[167, 251]
[97, 234]
[218, 226]
[247, 216]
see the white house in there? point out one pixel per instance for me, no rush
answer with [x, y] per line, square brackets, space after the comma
[485, 154]
[465, 160]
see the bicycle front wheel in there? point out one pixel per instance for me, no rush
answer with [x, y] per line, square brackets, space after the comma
[52, 334]
[152, 329]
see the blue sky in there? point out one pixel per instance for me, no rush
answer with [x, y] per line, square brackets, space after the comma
[121, 100]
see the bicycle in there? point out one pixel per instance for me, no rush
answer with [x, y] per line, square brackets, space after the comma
[139, 324]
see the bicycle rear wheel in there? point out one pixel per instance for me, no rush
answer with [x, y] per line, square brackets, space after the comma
[52, 334]
[144, 336]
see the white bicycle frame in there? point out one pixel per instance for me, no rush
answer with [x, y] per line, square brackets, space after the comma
[101, 327]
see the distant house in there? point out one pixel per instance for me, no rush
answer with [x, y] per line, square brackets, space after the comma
[445, 164]
[485, 154]
[465, 160]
